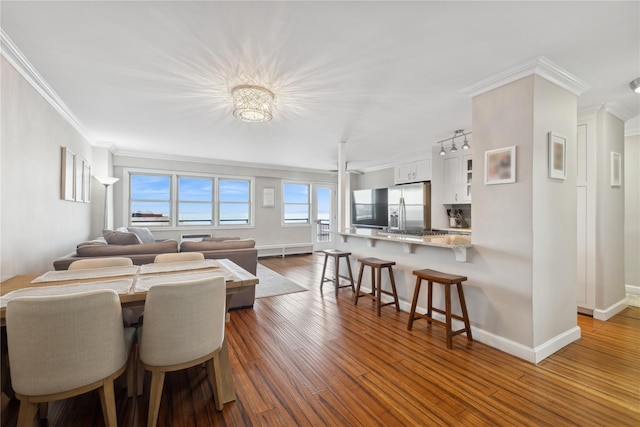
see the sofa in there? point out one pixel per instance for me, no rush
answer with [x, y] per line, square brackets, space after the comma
[143, 251]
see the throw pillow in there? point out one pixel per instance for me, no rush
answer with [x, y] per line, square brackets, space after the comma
[120, 238]
[143, 233]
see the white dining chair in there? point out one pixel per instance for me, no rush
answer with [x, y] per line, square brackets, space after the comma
[183, 327]
[51, 358]
[83, 264]
[179, 257]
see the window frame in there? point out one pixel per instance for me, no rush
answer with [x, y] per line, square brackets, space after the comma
[173, 198]
[284, 204]
[212, 202]
[250, 202]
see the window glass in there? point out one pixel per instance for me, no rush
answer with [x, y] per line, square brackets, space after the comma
[296, 203]
[150, 200]
[234, 201]
[195, 201]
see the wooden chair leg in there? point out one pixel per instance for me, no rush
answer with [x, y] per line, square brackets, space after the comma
[447, 303]
[393, 288]
[429, 301]
[414, 303]
[213, 371]
[26, 413]
[336, 278]
[139, 379]
[357, 295]
[465, 315]
[155, 395]
[108, 402]
[324, 269]
[353, 288]
[379, 288]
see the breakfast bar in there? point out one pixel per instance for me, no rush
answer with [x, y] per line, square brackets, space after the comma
[456, 242]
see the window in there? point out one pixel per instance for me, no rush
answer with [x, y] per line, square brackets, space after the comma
[296, 203]
[235, 201]
[172, 200]
[150, 200]
[195, 201]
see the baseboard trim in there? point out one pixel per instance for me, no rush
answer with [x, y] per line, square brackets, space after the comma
[532, 355]
[610, 311]
[632, 289]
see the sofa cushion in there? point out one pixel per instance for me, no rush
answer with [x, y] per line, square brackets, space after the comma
[100, 241]
[187, 246]
[120, 238]
[219, 239]
[168, 246]
[143, 233]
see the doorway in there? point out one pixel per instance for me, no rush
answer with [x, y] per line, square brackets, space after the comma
[323, 216]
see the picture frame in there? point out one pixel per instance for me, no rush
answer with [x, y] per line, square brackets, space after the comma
[78, 171]
[67, 175]
[86, 183]
[557, 155]
[500, 166]
[268, 197]
[616, 169]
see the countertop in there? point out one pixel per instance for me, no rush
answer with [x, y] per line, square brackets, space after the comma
[445, 241]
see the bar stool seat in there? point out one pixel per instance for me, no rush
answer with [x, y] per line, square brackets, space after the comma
[447, 280]
[377, 265]
[336, 255]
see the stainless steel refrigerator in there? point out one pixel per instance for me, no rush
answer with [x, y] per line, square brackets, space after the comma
[409, 207]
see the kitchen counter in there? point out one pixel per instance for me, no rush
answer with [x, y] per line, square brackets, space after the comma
[457, 243]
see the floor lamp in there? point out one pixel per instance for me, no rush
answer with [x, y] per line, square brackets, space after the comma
[106, 181]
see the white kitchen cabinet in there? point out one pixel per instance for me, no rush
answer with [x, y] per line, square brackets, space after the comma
[413, 171]
[457, 177]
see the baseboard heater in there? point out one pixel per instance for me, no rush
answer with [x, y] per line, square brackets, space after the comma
[194, 237]
[284, 249]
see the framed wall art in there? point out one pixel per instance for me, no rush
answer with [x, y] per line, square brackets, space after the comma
[78, 173]
[500, 166]
[616, 169]
[557, 156]
[268, 197]
[67, 174]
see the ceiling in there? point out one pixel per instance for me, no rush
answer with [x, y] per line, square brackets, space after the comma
[154, 78]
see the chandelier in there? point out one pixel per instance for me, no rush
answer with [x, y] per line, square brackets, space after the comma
[456, 134]
[252, 103]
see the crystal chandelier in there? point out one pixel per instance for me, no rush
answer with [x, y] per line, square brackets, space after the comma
[252, 103]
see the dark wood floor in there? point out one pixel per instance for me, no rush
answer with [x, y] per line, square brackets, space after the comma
[310, 359]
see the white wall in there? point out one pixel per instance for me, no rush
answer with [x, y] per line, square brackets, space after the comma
[610, 215]
[37, 226]
[632, 210]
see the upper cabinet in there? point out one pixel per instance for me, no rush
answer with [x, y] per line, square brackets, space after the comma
[457, 177]
[412, 171]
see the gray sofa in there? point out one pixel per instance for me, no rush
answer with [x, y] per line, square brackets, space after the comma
[240, 251]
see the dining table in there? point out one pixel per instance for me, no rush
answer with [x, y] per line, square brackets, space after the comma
[131, 283]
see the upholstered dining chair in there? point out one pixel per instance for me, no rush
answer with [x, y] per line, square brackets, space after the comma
[179, 257]
[51, 358]
[83, 264]
[183, 327]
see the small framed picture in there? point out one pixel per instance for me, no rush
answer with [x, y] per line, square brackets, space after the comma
[557, 156]
[616, 169]
[78, 174]
[500, 166]
[67, 175]
[268, 197]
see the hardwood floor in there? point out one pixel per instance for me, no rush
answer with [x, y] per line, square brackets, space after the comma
[311, 359]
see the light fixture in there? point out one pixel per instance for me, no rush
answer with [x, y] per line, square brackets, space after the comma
[106, 181]
[456, 133]
[252, 103]
[635, 85]
[465, 146]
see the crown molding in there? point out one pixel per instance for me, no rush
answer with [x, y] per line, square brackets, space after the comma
[590, 109]
[618, 110]
[540, 66]
[14, 56]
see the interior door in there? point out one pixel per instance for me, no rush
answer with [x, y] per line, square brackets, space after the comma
[323, 216]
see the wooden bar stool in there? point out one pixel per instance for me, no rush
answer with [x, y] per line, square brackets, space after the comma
[376, 281]
[336, 255]
[447, 280]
